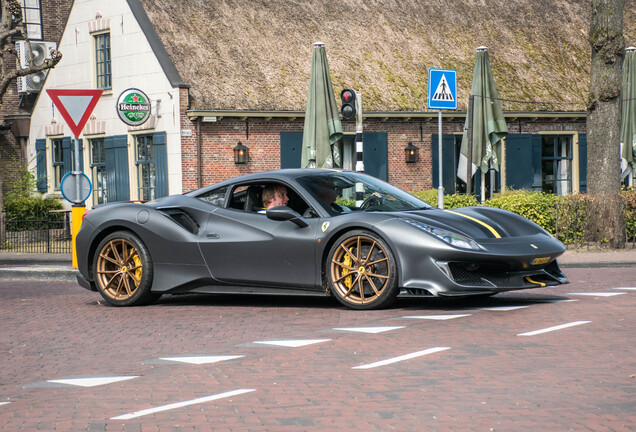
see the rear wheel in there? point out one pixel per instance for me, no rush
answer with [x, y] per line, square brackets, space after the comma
[361, 271]
[123, 270]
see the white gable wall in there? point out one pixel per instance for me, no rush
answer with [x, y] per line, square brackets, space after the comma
[134, 65]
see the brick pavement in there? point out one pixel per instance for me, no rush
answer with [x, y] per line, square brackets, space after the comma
[581, 378]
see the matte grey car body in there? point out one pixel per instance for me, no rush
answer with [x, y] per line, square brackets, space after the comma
[213, 240]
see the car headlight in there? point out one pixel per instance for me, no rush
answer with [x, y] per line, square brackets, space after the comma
[449, 237]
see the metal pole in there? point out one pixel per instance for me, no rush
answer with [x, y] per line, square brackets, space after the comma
[359, 150]
[469, 138]
[440, 186]
[78, 190]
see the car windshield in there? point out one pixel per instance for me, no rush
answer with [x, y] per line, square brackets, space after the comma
[336, 193]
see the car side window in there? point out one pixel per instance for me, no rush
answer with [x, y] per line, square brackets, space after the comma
[215, 197]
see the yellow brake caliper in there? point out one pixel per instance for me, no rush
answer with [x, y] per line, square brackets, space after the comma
[137, 261]
[347, 261]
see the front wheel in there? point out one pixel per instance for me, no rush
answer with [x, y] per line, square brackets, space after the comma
[361, 271]
[123, 270]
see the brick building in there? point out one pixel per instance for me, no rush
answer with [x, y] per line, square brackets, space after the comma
[217, 74]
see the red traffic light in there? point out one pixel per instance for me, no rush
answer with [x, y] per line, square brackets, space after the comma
[348, 98]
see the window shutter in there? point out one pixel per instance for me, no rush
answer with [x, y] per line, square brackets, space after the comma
[117, 183]
[40, 148]
[290, 149]
[449, 164]
[375, 154]
[583, 163]
[161, 164]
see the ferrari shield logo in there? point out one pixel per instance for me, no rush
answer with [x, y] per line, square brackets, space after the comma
[325, 226]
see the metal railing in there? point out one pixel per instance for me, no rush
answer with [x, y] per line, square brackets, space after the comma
[571, 222]
[37, 233]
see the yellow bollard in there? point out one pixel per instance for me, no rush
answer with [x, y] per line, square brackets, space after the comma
[77, 212]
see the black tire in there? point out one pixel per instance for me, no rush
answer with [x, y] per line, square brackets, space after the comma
[361, 271]
[123, 270]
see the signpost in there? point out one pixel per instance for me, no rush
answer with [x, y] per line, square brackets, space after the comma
[442, 95]
[75, 107]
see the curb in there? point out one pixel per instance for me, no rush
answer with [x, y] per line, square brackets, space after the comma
[43, 273]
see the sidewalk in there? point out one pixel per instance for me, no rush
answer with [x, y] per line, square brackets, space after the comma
[58, 266]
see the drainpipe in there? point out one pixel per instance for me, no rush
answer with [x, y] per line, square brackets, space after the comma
[199, 154]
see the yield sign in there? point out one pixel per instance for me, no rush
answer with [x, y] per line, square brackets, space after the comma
[75, 106]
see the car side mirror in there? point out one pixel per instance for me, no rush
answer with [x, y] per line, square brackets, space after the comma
[284, 213]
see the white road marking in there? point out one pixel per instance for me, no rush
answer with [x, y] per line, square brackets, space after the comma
[4, 403]
[555, 300]
[597, 294]
[436, 317]
[626, 288]
[504, 308]
[182, 404]
[91, 382]
[401, 358]
[199, 360]
[368, 329]
[558, 327]
[292, 343]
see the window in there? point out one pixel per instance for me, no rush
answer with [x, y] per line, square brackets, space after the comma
[556, 164]
[98, 170]
[146, 167]
[59, 167]
[32, 17]
[102, 61]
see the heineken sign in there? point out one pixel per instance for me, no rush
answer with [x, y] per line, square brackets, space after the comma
[133, 107]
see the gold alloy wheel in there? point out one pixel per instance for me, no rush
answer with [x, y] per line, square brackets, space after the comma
[119, 269]
[360, 270]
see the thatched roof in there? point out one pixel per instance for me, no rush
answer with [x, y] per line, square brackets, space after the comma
[256, 54]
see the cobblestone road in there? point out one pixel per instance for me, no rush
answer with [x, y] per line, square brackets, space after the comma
[556, 359]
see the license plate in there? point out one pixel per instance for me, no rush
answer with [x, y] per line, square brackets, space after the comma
[542, 260]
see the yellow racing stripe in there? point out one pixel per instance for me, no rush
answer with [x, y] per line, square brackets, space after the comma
[491, 229]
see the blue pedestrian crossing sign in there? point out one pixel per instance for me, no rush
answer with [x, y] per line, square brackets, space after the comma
[442, 89]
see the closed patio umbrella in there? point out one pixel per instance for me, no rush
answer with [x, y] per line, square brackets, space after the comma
[488, 125]
[628, 115]
[322, 121]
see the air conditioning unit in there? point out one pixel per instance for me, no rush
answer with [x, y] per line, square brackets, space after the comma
[40, 51]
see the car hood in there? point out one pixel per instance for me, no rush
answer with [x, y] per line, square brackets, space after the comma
[477, 222]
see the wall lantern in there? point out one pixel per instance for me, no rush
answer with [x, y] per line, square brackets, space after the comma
[241, 154]
[411, 153]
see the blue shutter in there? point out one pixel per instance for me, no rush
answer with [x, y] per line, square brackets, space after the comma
[161, 164]
[117, 183]
[375, 154]
[67, 154]
[519, 167]
[449, 164]
[290, 149]
[583, 163]
[40, 148]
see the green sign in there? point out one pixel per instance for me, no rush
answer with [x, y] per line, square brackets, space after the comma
[133, 107]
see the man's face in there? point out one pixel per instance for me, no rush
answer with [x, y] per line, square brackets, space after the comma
[280, 198]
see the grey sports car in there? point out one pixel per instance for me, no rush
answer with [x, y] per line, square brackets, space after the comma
[341, 233]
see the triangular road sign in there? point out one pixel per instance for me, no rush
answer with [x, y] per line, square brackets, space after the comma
[443, 92]
[75, 106]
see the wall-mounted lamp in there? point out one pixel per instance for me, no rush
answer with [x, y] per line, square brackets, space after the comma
[411, 153]
[241, 154]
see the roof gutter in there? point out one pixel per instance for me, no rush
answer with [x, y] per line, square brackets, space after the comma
[211, 116]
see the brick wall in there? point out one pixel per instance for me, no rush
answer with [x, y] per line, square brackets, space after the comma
[263, 139]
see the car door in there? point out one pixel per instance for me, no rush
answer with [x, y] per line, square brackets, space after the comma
[249, 249]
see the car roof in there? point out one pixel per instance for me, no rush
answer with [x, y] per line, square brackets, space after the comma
[288, 174]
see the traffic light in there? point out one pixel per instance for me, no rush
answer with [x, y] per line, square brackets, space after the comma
[348, 110]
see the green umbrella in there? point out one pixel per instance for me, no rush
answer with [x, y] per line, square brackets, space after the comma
[488, 123]
[628, 114]
[322, 121]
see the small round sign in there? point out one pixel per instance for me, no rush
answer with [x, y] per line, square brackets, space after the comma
[76, 187]
[133, 107]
